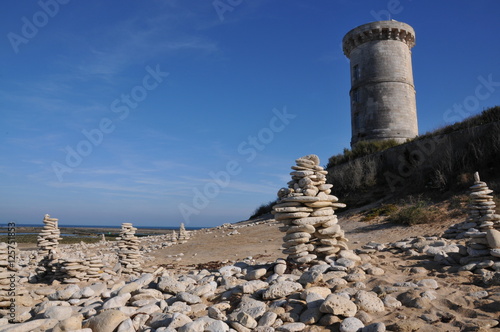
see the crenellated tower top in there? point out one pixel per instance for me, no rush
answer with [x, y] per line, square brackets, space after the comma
[381, 30]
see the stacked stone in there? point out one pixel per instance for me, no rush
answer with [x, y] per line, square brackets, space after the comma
[74, 270]
[95, 266]
[48, 238]
[485, 238]
[307, 210]
[47, 243]
[128, 254]
[183, 234]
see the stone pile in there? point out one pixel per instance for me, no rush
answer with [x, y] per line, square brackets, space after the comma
[73, 269]
[76, 269]
[48, 251]
[128, 249]
[481, 216]
[48, 238]
[307, 210]
[485, 237]
[183, 234]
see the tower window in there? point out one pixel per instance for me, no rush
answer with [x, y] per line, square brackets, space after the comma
[355, 95]
[355, 72]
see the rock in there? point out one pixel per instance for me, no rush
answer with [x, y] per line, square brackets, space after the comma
[375, 327]
[246, 320]
[179, 320]
[34, 325]
[117, 301]
[256, 274]
[65, 294]
[493, 238]
[311, 277]
[292, 327]
[170, 285]
[69, 324]
[58, 313]
[281, 289]
[128, 288]
[253, 286]
[428, 283]
[267, 319]
[126, 326]
[106, 321]
[188, 298]
[391, 302]
[216, 326]
[369, 302]
[310, 316]
[216, 313]
[351, 324]
[338, 305]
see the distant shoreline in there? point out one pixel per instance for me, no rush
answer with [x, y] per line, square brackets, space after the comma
[86, 231]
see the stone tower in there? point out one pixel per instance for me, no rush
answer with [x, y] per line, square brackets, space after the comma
[382, 92]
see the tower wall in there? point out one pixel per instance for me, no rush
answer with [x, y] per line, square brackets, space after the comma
[382, 93]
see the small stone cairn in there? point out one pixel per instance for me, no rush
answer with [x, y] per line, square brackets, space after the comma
[183, 234]
[485, 237]
[306, 209]
[128, 253]
[47, 243]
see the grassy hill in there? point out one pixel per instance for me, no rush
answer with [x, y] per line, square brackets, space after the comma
[437, 165]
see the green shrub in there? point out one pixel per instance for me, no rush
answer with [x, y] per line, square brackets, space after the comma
[416, 211]
[263, 209]
[384, 210]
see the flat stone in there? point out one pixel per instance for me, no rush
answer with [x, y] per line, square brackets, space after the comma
[59, 313]
[292, 327]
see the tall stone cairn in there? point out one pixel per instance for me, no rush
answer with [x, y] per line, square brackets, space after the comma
[48, 238]
[485, 239]
[128, 252]
[47, 243]
[183, 234]
[307, 210]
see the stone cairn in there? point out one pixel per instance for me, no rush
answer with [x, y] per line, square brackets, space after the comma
[183, 234]
[73, 269]
[307, 211]
[128, 253]
[47, 243]
[485, 237]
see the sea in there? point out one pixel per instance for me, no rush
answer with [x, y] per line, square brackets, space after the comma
[5, 225]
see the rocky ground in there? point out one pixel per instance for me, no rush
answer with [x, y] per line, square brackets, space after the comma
[233, 278]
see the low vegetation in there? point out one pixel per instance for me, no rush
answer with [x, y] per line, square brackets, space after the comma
[360, 150]
[384, 210]
[416, 210]
[263, 209]
[436, 163]
[489, 115]
[440, 161]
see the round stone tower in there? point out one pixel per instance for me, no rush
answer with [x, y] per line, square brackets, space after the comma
[382, 92]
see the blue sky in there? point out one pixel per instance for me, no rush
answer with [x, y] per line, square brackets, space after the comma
[161, 112]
